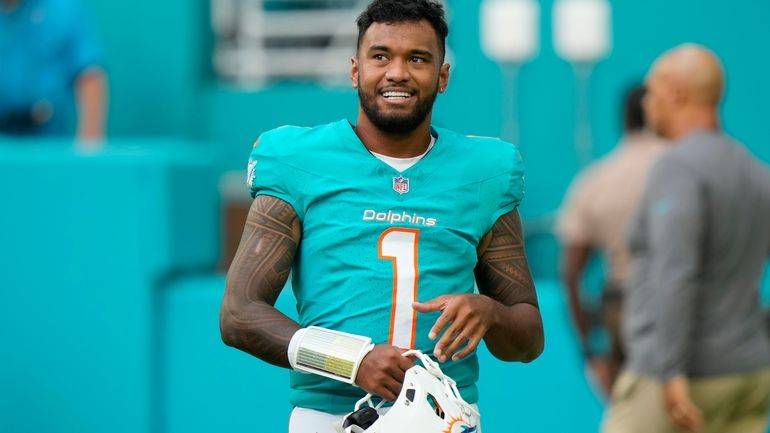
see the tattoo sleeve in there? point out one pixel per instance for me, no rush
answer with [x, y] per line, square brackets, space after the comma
[503, 274]
[248, 318]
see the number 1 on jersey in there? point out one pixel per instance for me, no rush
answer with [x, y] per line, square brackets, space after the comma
[399, 245]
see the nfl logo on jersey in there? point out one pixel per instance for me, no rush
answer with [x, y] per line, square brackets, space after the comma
[401, 184]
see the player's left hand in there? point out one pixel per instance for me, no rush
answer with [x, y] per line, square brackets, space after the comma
[680, 408]
[466, 318]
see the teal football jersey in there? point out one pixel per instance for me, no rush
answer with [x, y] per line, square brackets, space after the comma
[374, 240]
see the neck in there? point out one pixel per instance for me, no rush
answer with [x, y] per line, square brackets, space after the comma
[694, 119]
[410, 144]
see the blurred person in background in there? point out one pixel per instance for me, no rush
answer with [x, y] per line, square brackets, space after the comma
[697, 355]
[594, 218]
[50, 63]
[385, 225]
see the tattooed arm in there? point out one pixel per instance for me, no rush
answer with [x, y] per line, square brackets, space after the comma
[248, 319]
[502, 274]
[505, 314]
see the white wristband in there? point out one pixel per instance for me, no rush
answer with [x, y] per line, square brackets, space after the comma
[333, 354]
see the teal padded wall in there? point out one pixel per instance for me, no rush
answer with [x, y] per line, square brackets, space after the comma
[86, 240]
[207, 386]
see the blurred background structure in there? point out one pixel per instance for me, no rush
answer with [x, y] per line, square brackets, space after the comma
[112, 259]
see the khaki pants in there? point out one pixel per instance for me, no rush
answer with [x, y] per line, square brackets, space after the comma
[730, 404]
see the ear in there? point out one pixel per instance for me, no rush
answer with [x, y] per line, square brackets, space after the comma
[354, 71]
[679, 94]
[443, 77]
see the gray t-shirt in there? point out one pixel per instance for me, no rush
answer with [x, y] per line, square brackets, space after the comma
[699, 245]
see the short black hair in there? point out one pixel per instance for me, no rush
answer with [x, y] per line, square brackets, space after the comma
[399, 11]
[633, 112]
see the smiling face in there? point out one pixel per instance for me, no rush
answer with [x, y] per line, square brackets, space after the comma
[398, 72]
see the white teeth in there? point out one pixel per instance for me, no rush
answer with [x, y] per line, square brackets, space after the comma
[396, 94]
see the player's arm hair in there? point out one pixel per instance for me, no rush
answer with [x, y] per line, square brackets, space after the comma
[503, 274]
[248, 319]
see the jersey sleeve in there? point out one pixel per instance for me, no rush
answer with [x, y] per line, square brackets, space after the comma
[512, 185]
[270, 172]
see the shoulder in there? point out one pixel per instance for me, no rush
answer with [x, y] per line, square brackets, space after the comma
[494, 165]
[291, 140]
[601, 171]
[493, 155]
[478, 143]
[682, 158]
[593, 173]
[671, 166]
[283, 161]
[698, 151]
[682, 169]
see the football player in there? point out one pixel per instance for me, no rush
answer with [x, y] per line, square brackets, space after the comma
[387, 225]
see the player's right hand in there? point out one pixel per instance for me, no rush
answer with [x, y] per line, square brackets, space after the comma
[382, 371]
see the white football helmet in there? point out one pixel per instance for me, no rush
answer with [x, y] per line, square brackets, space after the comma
[429, 402]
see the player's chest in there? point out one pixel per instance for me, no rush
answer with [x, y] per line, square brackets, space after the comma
[416, 199]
